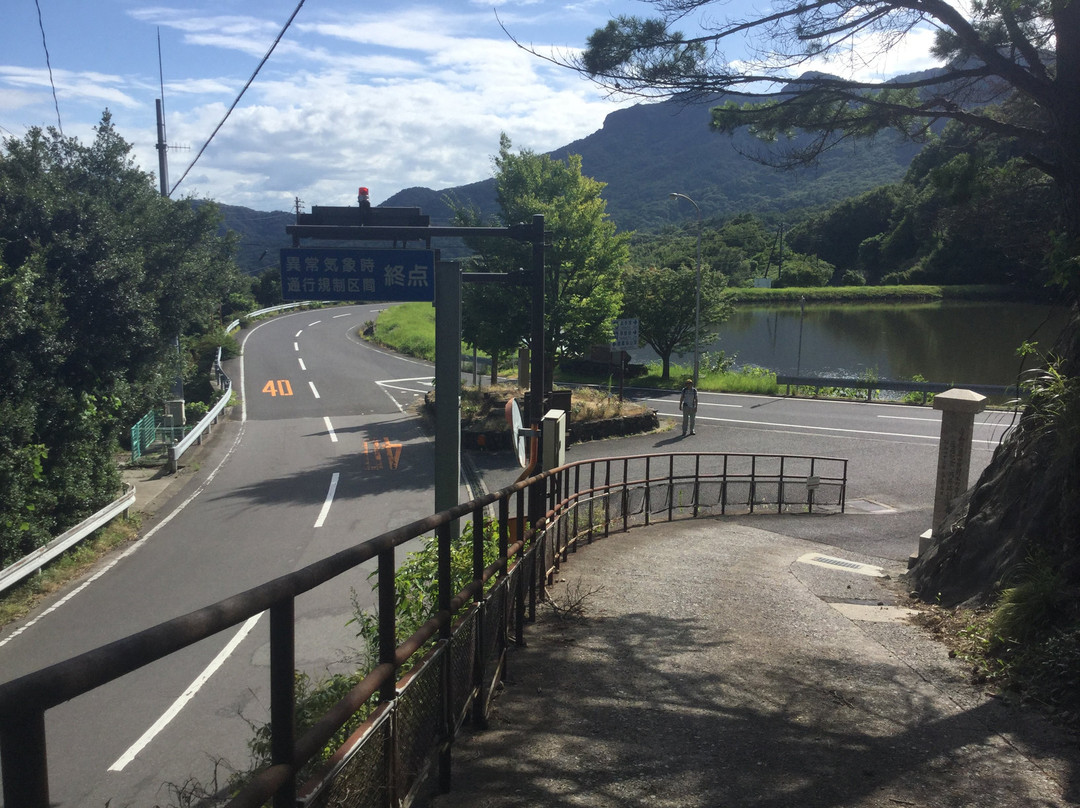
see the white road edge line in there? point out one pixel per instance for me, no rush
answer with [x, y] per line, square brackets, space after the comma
[393, 356]
[313, 390]
[700, 403]
[330, 429]
[329, 500]
[186, 696]
[935, 420]
[390, 396]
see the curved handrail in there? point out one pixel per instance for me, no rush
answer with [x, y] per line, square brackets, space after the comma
[546, 529]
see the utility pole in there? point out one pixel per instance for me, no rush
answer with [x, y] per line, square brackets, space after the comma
[162, 149]
[175, 410]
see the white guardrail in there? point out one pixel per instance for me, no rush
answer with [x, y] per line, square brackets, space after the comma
[195, 436]
[26, 566]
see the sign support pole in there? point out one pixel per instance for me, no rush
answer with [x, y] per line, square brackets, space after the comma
[447, 385]
[538, 384]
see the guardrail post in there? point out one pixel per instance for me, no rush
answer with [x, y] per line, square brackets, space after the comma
[23, 760]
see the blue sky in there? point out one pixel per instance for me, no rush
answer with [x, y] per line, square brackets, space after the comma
[387, 95]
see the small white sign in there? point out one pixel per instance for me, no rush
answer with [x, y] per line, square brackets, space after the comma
[626, 334]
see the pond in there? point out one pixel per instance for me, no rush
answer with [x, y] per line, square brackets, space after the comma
[948, 341]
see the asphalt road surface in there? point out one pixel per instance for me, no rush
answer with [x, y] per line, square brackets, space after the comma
[323, 458]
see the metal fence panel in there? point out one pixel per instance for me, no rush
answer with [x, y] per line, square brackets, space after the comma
[363, 779]
[391, 763]
[418, 721]
[143, 435]
[462, 664]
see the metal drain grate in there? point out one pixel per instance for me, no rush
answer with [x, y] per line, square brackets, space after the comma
[837, 562]
[842, 563]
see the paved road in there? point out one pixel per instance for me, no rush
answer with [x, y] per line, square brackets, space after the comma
[891, 448]
[324, 457]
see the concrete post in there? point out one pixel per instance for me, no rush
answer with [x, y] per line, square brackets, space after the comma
[958, 409]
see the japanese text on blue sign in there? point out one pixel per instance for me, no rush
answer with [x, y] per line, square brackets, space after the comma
[315, 273]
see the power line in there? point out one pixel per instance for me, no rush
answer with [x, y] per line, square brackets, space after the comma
[48, 64]
[241, 95]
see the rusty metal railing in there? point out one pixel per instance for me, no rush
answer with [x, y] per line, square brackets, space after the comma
[405, 743]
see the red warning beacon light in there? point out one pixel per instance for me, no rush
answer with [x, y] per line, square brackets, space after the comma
[362, 195]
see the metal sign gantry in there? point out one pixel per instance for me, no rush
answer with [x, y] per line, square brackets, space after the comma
[399, 226]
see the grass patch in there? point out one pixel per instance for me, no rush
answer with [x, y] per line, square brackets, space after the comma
[592, 404]
[408, 329]
[20, 600]
[484, 408]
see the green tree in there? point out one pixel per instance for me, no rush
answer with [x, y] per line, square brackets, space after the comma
[267, 287]
[664, 301]
[836, 234]
[583, 264]
[98, 276]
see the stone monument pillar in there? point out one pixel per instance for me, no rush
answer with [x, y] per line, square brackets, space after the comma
[958, 409]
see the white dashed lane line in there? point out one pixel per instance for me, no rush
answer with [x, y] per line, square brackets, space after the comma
[329, 500]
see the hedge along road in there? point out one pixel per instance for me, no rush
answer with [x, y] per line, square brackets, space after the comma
[323, 457]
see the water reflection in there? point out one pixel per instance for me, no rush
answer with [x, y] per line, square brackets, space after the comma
[952, 342]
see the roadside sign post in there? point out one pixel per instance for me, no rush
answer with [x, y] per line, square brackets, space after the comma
[447, 385]
[626, 338]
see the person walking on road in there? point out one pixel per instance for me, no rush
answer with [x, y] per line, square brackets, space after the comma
[688, 405]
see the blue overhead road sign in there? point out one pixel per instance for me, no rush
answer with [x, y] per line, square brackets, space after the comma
[309, 273]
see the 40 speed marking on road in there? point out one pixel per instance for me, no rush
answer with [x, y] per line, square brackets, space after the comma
[278, 387]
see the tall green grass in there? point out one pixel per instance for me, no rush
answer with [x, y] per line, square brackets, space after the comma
[409, 328]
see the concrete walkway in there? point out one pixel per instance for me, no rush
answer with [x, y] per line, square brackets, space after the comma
[716, 663]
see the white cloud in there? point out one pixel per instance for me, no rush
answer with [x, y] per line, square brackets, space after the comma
[71, 86]
[876, 56]
[412, 94]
